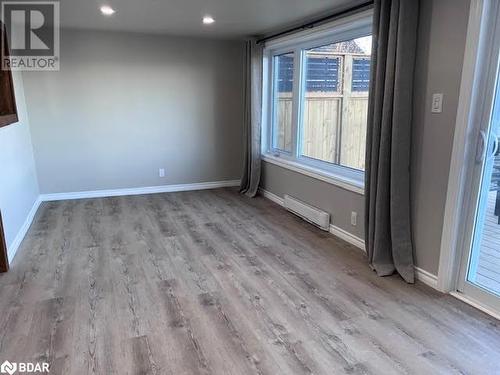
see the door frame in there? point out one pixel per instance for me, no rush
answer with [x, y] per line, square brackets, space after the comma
[4, 259]
[477, 67]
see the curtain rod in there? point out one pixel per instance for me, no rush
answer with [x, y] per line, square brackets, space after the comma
[309, 25]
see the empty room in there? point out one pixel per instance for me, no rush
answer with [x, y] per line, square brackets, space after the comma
[250, 187]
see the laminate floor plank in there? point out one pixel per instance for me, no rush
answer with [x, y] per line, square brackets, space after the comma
[210, 282]
[383, 306]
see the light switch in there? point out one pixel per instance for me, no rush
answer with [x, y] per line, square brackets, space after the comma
[437, 103]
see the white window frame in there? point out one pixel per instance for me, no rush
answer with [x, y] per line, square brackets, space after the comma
[351, 27]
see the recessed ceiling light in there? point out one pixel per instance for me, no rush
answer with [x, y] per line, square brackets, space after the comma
[208, 20]
[107, 10]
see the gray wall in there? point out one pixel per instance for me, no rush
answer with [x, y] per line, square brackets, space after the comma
[18, 183]
[441, 45]
[124, 105]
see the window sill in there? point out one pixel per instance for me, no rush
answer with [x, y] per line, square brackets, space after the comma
[331, 178]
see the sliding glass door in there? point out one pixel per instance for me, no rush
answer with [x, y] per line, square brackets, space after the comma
[481, 273]
[479, 277]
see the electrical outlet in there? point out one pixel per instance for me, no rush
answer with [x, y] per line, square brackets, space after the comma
[354, 218]
[161, 172]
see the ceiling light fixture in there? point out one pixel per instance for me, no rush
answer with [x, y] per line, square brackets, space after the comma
[107, 10]
[208, 20]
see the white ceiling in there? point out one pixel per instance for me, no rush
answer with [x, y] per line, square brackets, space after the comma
[234, 18]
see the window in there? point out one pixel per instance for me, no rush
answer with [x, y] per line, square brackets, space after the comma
[283, 97]
[8, 111]
[318, 101]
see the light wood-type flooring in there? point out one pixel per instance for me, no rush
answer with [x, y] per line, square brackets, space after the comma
[211, 282]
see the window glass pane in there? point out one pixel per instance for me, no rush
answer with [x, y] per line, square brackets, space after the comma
[335, 102]
[360, 74]
[283, 98]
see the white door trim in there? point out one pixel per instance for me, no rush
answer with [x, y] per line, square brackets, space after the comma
[449, 257]
[474, 52]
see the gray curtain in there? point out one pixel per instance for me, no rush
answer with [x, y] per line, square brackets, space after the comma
[252, 121]
[387, 184]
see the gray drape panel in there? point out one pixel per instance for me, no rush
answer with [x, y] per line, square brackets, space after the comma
[252, 121]
[387, 181]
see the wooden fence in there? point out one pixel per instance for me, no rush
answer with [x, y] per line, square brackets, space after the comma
[333, 124]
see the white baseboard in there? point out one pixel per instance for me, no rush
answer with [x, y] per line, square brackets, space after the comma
[138, 191]
[336, 231]
[420, 274]
[272, 197]
[348, 237]
[426, 278]
[14, 246]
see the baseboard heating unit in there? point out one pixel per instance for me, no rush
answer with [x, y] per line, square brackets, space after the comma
[307, 212]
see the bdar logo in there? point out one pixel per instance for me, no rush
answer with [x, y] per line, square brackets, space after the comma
[8, 368]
